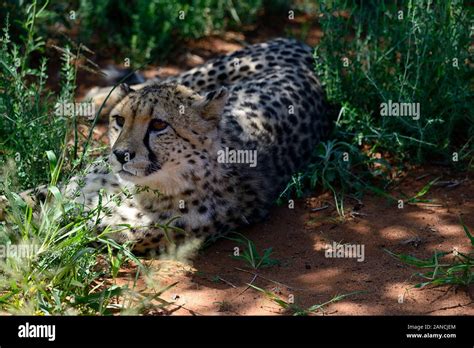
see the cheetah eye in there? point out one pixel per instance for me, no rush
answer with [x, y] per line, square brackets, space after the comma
[119, 120]
[158, 125]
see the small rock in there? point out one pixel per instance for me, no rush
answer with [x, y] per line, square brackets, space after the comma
[415, 241]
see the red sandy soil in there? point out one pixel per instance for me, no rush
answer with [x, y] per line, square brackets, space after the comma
[216, 284]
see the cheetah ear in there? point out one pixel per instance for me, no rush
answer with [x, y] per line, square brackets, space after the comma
[124, 89]
[211, 105]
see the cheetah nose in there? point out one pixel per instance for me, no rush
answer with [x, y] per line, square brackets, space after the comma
[124, 156]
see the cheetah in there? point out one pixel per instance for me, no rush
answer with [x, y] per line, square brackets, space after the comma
[208, 151]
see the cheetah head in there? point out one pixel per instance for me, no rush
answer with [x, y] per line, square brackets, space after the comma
[162, 133]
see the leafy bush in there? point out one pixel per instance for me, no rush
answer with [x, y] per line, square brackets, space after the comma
[403, 52]
[146, 29]
[28, 126]
[141, 30]
[339, 167]
[407, 52]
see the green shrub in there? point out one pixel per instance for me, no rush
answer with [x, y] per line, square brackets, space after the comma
[141, 30]
[408, 52]
[144, 29]
[372, 53]
[28, 125]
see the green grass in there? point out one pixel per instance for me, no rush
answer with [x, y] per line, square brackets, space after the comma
[423, 58]
[442, 270]
[251, 256]
[370, 56]
[145, 29]
[140, 30]
[295, 309]
[27, 127]
[338, 167]
[417, 198]
[71, 269]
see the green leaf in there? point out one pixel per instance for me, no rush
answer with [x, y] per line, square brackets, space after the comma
[468, 234]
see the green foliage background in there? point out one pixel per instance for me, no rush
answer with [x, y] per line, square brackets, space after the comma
[140, 29]
[371, 53]
[407, 51]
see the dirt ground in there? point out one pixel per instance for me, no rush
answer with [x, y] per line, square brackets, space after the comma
[216, 284]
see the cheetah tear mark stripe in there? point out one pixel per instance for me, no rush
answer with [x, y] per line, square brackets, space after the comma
[154, 166]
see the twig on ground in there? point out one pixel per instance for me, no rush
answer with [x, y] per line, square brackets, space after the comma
[422, 176]
[226, 281]
[248, 286]
[267, 279]
[421, 204]
[320, 208]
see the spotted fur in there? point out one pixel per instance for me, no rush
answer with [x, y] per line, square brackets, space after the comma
[263, 98]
